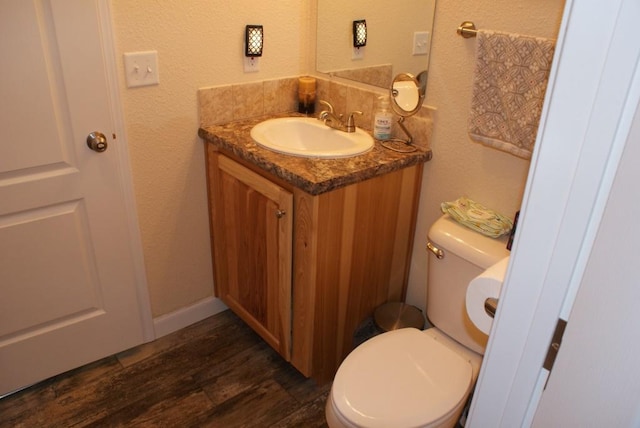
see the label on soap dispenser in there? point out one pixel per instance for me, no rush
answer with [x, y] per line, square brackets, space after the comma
[382, 126]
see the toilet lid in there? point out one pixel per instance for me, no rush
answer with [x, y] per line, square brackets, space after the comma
[400, 378]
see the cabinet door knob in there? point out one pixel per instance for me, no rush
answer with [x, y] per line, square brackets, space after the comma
[280, 213]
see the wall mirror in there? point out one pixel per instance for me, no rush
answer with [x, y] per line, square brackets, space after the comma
[396, 39]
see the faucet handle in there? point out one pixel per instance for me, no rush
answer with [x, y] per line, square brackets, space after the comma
[351, 122]
[328, 104]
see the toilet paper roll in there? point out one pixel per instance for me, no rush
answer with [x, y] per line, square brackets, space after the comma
[487, 284]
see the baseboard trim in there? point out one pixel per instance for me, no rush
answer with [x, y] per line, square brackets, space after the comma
[184, 317]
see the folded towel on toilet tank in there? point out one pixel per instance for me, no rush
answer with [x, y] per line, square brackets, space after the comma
[477, 217]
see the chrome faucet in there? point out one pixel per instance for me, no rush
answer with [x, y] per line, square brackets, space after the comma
[332, 121]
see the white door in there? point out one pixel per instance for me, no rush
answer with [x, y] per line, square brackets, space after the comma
[595, 381]
[69, 288]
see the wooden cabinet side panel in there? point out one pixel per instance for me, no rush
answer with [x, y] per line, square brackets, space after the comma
[365, 233]
[374, 235]
[405, 232]
[332, 278]
[377, 210]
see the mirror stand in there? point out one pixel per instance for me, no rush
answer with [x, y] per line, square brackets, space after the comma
[407, 93]
[404, 146]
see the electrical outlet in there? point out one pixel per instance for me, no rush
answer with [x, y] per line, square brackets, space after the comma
[141, 68]
[358, 53]
[421, 42]
[251, 64]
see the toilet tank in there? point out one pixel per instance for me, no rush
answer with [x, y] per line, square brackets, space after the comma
[466, 255]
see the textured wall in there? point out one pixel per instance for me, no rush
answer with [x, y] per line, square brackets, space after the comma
[199, 44]
[460, 166]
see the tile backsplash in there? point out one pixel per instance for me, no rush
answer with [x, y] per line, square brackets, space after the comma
[223, 104]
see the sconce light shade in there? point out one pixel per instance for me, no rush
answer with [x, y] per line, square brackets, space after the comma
[253, 40]
[359, 33]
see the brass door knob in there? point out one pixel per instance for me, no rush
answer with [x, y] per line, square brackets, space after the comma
[97, 142]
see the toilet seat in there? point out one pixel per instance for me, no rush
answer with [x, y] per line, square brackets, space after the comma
[401, 378]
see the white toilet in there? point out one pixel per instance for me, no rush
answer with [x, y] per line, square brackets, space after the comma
[421, 378]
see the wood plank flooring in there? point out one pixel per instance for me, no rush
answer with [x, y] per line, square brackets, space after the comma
[216, 373]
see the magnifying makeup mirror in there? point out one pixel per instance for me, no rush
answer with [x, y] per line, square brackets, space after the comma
[406, 93]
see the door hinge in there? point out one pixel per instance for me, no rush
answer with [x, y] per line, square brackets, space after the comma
[554, 346]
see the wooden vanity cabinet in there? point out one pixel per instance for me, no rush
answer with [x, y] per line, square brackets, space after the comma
[348, 252]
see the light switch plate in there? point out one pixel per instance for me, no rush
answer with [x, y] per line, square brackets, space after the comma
[141, 68]
[421, 42]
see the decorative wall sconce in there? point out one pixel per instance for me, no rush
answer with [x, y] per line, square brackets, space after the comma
[359, 33]
[254, 40]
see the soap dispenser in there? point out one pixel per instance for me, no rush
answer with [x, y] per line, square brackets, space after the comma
[383, 119]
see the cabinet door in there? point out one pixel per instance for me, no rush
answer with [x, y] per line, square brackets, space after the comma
[252, 236]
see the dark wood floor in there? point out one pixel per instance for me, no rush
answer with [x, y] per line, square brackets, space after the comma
[216, 373]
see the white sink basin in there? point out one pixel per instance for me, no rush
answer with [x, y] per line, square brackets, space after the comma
[309, 137]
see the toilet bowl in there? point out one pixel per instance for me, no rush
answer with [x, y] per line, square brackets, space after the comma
[421, 378]
[403, 378]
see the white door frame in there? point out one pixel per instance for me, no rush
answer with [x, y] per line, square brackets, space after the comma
[111, 69]
[587, 114]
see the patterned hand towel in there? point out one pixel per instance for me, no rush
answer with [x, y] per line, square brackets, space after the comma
[508, 90]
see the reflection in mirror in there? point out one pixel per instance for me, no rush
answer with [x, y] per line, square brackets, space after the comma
[398, 39]
[407, 93]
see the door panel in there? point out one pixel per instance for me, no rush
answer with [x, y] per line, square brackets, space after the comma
[51, 266]
[28, 62]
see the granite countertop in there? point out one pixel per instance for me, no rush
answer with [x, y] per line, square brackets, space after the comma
[313, 175]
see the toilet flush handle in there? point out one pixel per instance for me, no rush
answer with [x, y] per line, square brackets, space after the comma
[435, 250]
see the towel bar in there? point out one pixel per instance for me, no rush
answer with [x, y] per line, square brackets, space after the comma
[467, 29]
